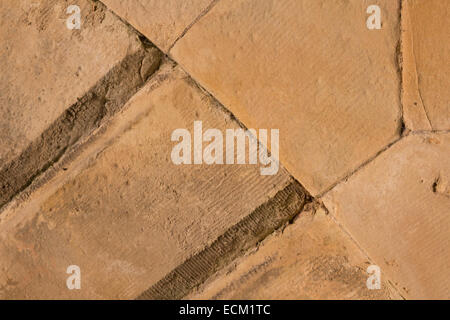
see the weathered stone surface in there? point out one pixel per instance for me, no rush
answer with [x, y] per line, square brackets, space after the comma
[312, 259]
[46, 67]
[414, 113]
[123, 212]
[397, 207]
[241, 237]
[427, 61]
[311, 69]
[160, 21]
[46, 108]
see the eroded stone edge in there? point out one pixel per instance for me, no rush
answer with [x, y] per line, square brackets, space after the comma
[234, 242]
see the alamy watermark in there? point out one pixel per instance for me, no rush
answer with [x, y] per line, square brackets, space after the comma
[190, 149]
[373, 21]
[74, 280]
[74, 20]
[374, 280]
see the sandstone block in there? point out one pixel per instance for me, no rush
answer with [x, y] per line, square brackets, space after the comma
[57, 84]
[312, 259]
[397, 208]
[310, 68]
[426, 58]
[125, 214]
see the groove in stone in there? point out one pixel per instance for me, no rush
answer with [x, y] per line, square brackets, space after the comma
[277, 211]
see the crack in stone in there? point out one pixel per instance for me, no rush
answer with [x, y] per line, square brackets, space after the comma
[203, 13]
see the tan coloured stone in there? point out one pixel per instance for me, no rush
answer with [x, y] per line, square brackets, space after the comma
[46, 108]
[429, 56]
[123, 212]
[47, 67]
[311, 69]
[160, 21]
[414, 113]
[312, 259]
[397, 207]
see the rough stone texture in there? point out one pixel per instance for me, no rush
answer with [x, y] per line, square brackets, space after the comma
[47, 67]
[124, 213]
[427, 61]
[414, 113]
[88, 180]
[241, 237]
[311, 69]
[312, 259]
[397, 207]
[160, 21]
